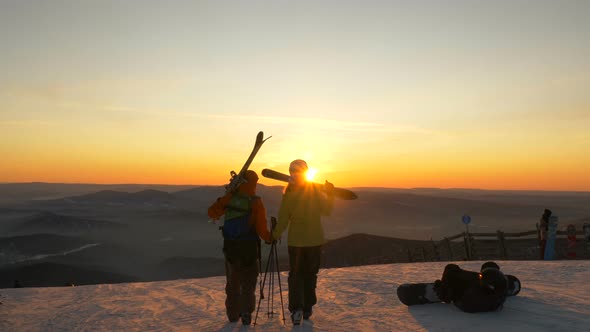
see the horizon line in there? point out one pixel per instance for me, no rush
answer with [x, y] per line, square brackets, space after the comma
[355, 187]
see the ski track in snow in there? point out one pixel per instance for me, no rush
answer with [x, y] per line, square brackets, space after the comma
[43, 256]
[555, 296]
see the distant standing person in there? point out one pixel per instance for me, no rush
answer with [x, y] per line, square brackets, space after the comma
[301, 209]
[543, 228]
[244, 225]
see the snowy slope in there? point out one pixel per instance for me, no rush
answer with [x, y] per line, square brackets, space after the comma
[555, 297]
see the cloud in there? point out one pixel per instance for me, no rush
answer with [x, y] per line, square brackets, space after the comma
[26, 123]
[332, 124]
[300, 122]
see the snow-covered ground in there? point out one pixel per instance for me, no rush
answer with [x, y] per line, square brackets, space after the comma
[555, 297]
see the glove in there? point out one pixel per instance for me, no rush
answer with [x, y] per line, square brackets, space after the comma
[272, 241]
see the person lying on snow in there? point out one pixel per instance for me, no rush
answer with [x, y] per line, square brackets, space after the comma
[474, 291]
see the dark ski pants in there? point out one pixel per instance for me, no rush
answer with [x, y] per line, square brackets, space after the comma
[304, 265]
[241, 271]
[463, 288]
[455, 281]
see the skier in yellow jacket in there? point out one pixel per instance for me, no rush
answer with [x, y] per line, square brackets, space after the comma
[301, 209]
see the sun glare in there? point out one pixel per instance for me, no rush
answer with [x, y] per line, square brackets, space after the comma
[310, 174]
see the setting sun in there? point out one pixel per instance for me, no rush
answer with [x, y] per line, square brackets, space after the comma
[310, 174]
[76, 105]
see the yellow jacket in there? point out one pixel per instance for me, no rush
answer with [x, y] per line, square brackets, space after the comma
[301, 210]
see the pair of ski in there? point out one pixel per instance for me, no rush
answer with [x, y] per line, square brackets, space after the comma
[551, 237]
[238, 178]
[424, 293]
[338, 192]
[549, 253]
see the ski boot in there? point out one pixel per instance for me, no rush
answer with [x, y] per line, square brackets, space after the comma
[246, 318]
[296, 317]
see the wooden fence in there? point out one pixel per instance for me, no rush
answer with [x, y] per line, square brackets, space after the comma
[463, 246]
[498, 245]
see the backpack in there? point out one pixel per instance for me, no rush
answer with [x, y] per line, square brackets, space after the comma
[237, 217]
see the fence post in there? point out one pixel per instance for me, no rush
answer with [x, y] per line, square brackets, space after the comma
[502, 245]
[467, 246]
[540, 241]
[450, 248]
[436, 253]
[409, 256]
[424, 255]
[472, 247]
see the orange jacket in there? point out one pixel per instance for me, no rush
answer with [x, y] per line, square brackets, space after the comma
[258, 216]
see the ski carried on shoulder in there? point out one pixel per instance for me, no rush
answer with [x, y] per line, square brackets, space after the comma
[238, 178]
[338, 192]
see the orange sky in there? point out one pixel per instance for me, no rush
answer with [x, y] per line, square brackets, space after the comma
[373, 94]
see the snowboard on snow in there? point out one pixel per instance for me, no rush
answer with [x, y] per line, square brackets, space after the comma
[423, 293]
[338, 192]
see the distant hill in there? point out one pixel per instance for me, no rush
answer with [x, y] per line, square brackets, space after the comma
[210, 192]
[52, 274]
[165, 231]
[49, 222]
[206, 195]
[364, 249]
[190, 267]
[404, 213]
[99, 196]
[353, 250]
[422, 216]
[119, 198]
[193, 199]
[35, 244]
[11, 193]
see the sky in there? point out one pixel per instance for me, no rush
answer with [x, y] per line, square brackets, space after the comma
[454, 94]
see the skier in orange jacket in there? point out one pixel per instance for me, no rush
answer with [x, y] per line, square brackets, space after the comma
[245, 223]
